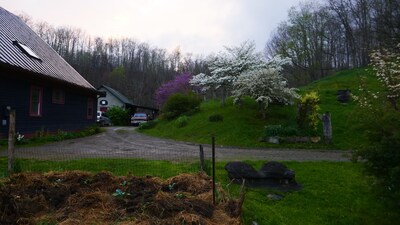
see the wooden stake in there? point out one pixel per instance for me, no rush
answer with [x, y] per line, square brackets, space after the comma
[11, 141]
[201, 158]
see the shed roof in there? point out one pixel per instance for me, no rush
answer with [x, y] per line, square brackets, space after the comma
[45, 63]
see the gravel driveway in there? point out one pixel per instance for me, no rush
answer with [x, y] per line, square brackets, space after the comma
[125, 142]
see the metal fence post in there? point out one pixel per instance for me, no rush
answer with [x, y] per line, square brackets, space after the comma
[11, 141]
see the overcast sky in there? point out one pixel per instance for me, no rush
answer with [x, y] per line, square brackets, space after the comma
[197, 26]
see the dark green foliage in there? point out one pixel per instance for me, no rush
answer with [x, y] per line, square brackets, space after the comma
[148, 125]
[118, 116]
[382, 151]
[279, 130]
[216, 118]
[180, 104]
[272, 130]
[182, 121]
[288, 131]
[44, 137]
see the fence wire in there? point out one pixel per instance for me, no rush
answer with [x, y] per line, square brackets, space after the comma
[118, 150]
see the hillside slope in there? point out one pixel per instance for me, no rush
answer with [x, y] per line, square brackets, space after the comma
[243, 125]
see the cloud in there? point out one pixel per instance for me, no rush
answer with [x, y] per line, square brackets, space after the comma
[196, 26]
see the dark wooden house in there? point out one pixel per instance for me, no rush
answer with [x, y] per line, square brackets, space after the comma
[44, 90]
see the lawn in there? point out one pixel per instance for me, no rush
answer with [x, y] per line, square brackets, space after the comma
[243, 124]
[333, 193]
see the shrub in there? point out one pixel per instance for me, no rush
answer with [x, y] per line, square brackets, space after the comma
[182, 121]
[118, 116]
[379, 116]
[288, 131]
[215, 118]
[180, 104]
[148, 125]
[381, 152]
[272, 130]
[307, 117]
[178, 85]
[279, 130]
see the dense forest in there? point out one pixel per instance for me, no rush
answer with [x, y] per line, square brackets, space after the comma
[320, 37]
[134, 68]
[323, 36]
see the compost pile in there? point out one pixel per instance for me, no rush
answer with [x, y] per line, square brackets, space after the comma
[82, 198]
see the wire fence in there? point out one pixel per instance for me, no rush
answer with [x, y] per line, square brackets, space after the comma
[119, 150]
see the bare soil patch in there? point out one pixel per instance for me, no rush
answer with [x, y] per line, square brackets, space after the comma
[83, 198]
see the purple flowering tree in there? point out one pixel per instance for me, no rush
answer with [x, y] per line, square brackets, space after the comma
[178, 85]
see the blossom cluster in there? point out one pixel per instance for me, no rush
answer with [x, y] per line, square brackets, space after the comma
[178, 85]
[245, 72]
[386, 63]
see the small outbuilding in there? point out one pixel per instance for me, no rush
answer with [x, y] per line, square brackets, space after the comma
[112, 97]
[45, 91]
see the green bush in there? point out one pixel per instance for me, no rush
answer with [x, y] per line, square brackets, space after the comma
[148, 125]
[118, 116]
[215, 118]
[279, 130]
[288, 131]
[180, 104]
[182, 121]
[381, 152]
[307, 118]
[43, 137]
[272, 130]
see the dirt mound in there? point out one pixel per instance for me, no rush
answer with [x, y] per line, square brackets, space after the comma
[82, 198]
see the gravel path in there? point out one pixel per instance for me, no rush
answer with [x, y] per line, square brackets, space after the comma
[125, 142]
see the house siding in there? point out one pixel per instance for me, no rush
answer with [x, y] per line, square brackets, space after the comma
[70, 116]
[111, 99]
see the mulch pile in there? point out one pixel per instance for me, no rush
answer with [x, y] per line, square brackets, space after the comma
[83, 198]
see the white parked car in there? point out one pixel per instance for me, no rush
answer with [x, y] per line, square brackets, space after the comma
[102, 119]
[138, 118]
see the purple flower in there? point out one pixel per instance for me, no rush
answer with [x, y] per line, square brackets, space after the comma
[178, 85]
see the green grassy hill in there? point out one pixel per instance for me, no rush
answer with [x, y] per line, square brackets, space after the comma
[243, 125]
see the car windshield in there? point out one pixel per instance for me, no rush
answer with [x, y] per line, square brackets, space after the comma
[139, 115]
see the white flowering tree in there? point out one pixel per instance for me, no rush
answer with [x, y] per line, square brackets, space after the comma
[265, 84]
[386, 63]
[227, 66]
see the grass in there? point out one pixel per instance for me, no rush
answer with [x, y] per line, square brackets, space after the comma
[346, 132]
[199, 129]
[333, 193]
[41, 137]
[243, 126]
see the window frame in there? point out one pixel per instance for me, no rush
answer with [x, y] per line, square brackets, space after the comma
[38, 105]
[58, 96]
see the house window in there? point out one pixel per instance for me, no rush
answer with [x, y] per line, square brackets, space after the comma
[58, 96]
[90, 107]
[35, 102]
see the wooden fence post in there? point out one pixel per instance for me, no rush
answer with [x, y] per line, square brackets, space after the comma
[213, 167]
[201, 158]
[11, 141]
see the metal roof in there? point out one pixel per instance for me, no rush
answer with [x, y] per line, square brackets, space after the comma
[47, 64]
[117, 94]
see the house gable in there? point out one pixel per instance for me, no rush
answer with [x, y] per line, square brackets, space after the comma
[45, 91]
[112, 98]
